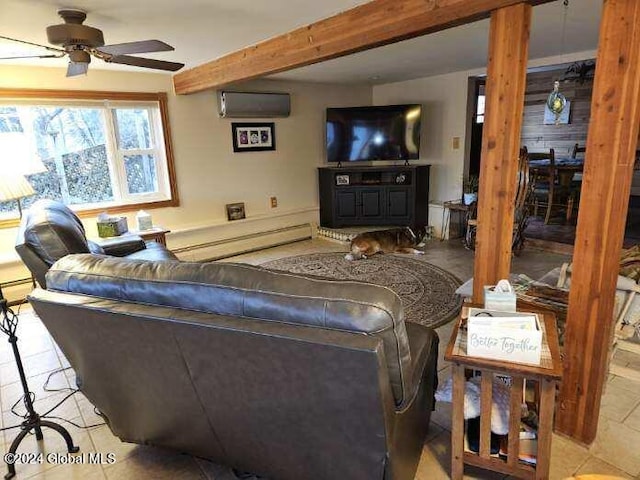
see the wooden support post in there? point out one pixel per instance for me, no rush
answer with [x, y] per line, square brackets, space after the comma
[610, 155]
[506, 78]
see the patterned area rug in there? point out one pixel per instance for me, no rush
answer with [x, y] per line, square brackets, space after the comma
[426, 291]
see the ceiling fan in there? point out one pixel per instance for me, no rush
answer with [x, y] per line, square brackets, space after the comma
[80, 42]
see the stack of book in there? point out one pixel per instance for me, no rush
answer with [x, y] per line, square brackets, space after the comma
[528, 450]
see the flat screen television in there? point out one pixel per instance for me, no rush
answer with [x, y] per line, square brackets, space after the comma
[390, 132]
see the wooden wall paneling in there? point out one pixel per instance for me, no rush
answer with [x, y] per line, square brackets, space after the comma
[611, 146]
[506, 78]
[535, 135]
[372, 24]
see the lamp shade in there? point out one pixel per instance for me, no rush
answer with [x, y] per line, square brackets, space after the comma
[13, 187]
[17, 154]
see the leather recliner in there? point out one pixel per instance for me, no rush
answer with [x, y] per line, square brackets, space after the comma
[284, 375]
[49, 230]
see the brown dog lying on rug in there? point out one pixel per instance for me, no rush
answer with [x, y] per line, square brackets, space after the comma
[398, 240]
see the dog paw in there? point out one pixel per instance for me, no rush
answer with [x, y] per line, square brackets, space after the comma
[418, 252]
[349, 257]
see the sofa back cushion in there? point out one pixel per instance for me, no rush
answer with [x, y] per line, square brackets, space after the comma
[247, 291]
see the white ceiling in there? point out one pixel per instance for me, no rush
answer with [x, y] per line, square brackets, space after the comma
[202, 30]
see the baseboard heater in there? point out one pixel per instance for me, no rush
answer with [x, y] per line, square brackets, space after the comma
[252, 242]
[12, 286]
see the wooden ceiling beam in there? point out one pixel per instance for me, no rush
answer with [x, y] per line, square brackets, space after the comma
[370, 25]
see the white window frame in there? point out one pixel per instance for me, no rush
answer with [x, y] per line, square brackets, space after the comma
[119, 175]
[161, 149]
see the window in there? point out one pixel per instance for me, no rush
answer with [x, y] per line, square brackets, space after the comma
[100, 151]
[480, 110]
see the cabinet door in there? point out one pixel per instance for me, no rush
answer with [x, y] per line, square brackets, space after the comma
[371, 203]
[346, 203]
[399, 206]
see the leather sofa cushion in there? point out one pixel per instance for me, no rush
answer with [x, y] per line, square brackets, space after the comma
[249, 291]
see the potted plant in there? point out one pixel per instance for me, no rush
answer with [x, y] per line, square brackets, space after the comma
[470, 194]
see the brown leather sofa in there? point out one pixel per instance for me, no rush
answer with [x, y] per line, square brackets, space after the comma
[50, 230]
[288, 376]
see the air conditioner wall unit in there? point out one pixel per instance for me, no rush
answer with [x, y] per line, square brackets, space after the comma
[253, 104]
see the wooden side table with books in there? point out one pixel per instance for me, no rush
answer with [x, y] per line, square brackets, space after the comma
[546, 375]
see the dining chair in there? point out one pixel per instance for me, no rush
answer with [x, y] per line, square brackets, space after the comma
[548, 191]
[576, 179]
[521, 209]
[577, 149]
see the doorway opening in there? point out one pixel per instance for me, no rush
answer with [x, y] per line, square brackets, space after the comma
[476, 123]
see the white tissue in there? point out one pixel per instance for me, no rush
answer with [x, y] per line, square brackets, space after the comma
[503, 286]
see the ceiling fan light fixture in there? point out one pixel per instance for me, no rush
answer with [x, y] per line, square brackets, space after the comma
[79, 56]
[77, 68]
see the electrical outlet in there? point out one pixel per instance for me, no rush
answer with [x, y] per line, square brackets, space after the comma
[274, 202]
[455, 143]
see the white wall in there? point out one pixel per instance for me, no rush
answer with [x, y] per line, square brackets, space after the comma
[444, 103]
[209, 174]
[444, 100]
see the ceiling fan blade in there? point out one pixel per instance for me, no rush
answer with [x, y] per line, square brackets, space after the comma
[77, 68]
[31, 56]
[145, 46]
[53, 49]
[146, 62]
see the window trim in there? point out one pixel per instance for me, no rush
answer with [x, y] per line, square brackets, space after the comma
[160, 97]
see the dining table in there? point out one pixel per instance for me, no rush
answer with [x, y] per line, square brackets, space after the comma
[566, 167]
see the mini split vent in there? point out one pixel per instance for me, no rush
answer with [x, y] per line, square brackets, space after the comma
[253, 104]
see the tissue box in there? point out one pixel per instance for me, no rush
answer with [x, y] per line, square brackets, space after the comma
[495, 299]
[508, 336]
[112, 227]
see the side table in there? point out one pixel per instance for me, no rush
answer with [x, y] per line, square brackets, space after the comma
[546, 374]
[156, 234]
[461, 209]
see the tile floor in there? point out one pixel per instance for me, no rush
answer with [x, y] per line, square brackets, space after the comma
[616, 450]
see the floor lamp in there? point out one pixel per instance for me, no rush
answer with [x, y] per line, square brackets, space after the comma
[15, 187]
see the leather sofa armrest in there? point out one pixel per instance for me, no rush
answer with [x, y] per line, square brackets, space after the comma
[422, 341]
[122, 246]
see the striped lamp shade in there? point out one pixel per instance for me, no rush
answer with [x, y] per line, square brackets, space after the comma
[13, 187]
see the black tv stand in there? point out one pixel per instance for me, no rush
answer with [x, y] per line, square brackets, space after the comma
[374, 195]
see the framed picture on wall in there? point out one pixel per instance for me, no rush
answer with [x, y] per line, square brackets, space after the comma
[235, 211]
[253, 137]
